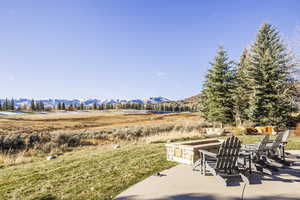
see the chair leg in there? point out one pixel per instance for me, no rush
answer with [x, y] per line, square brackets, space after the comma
[196, 164]
[245, 179]
[204, 166]
[203, 169]
[222, 180]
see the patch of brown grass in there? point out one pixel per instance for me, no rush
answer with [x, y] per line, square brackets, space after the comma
[42, 135]
[94, 120]
[171, 136]
[15, 159]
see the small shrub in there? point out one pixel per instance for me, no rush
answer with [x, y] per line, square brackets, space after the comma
[61, 138]
[44, 137]
[11, 143]
[46, 148]
[63, 148]
[31, 140]
[238, 131]
[73, 141]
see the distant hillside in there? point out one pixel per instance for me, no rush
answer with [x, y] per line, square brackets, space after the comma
[192, 99]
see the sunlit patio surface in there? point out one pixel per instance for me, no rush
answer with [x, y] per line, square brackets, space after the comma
[182, 183]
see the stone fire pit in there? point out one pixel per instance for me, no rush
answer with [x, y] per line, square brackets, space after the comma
[187, 152]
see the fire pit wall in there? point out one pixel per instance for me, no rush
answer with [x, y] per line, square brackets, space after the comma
[187, 152]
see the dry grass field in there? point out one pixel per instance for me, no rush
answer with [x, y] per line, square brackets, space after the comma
[87, 121]
[60, 131]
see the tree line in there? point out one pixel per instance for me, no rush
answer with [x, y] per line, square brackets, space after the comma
[9, 105]
[259, 89]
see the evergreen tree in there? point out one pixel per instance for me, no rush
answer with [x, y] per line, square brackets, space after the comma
[59, 106]
[6, 105]
[12, 104]
[241, 89]
[63, 106]
[272, 86]
[32, 105]
[71, 107]
[37, 106]
[81, 106]
[94, 106]
[101, 107]
[42, 106]
[217, 100]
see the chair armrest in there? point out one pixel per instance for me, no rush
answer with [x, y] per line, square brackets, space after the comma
[247, 146]
[244, 153]
[283, 144]
[250, 147]
[207, 153]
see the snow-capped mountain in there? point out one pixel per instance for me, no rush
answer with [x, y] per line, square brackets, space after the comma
[87, 102]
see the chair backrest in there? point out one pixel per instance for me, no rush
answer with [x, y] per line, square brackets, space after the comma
[285, 136]
[228, 154]
[263, 143]
[281, 136]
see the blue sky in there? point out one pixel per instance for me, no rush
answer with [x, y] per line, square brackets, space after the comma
[125, 48]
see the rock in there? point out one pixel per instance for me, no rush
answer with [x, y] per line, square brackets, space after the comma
[51, 157]
[159, 174]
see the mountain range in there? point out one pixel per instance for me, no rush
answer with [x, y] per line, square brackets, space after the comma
[88, 102]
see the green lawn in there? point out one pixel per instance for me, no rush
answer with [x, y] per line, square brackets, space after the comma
[293, 142]
[100, 173]
[90, 173]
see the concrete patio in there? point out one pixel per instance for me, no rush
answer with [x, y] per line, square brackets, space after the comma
[181, 183]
